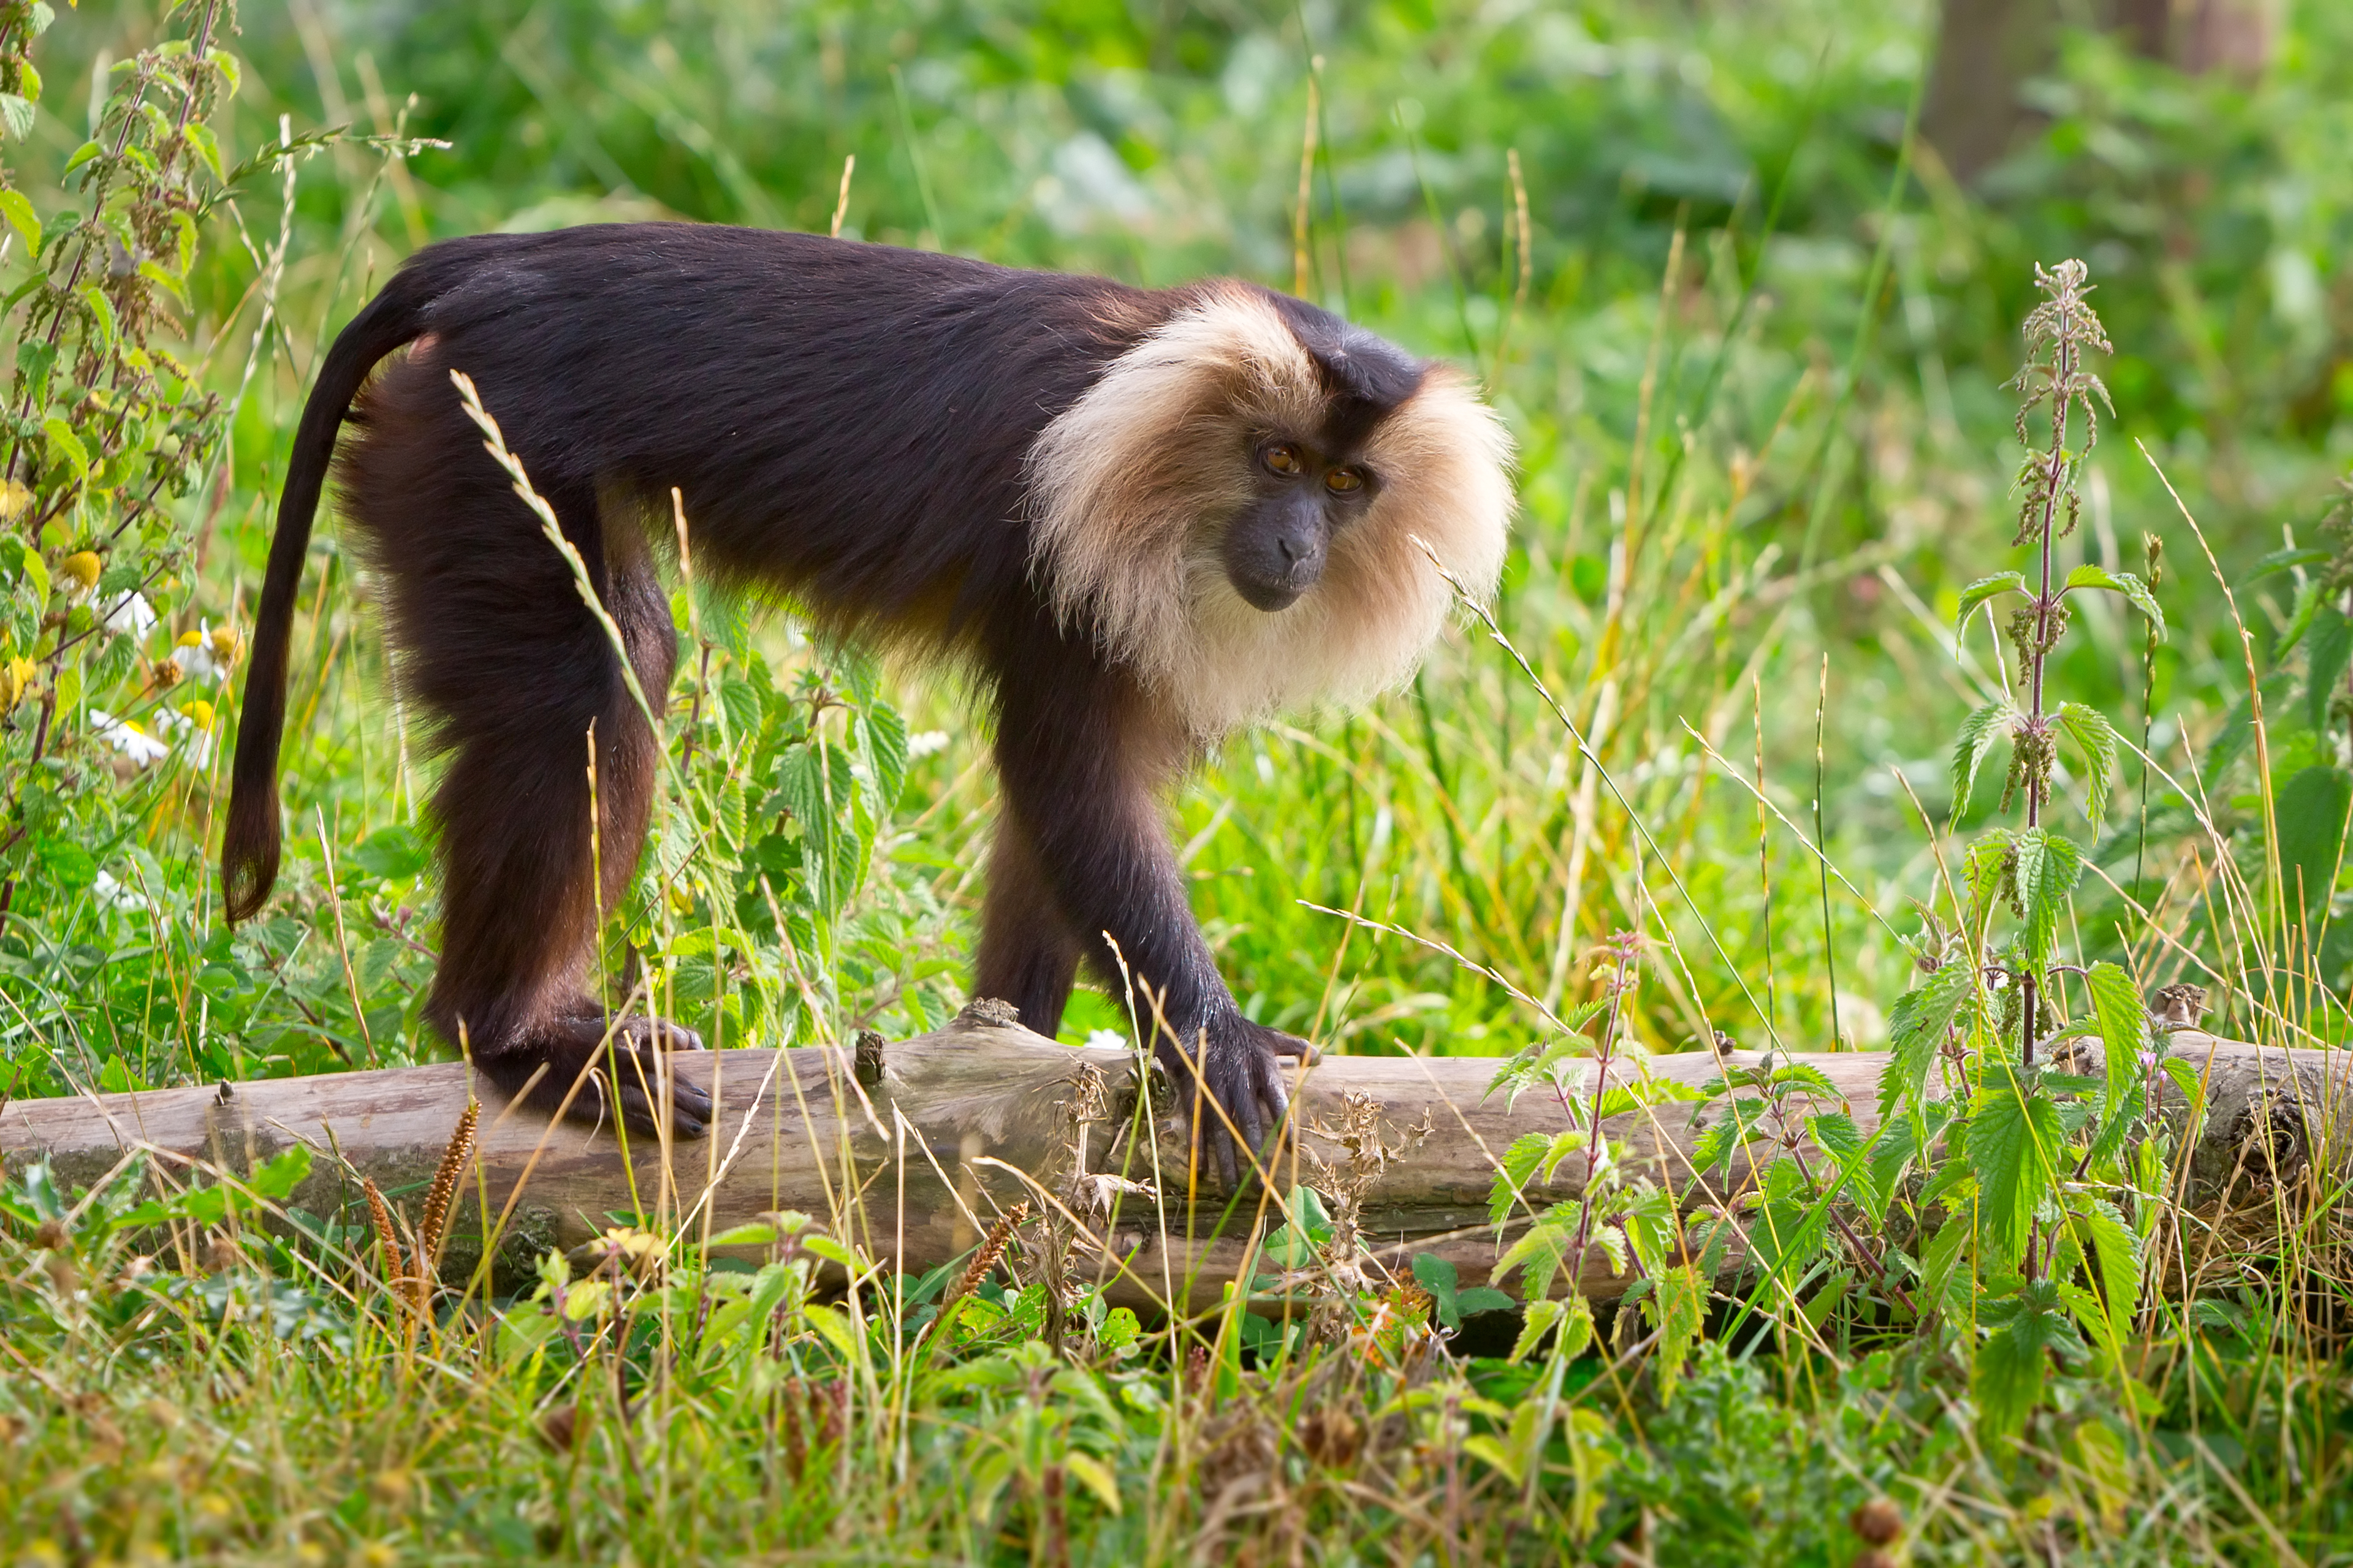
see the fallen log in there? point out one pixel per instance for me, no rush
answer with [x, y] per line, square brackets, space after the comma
[911, 1148]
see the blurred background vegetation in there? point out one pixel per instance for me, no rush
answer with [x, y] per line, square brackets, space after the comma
[1745, 276]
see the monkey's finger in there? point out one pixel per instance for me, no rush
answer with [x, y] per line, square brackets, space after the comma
[1294, 1047]
[1222, 1143]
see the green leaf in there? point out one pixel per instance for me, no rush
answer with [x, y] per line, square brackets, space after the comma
[2049, 864]
[1517, 1166]
[2280, 561]
[2008, 1379]
[73, 866]
[1675, 1308]
[1916, 1029]
[1981, 867]
[2090, 576]
[1544, 1247]
[392, 854]
[19, 214]
[2299, 621]
[2015, 1139]
[16, 115]
[1540, 1318]
[885, 734]
[2115, 1251]
[2327, 650]
[1437, 1276]
[2089, 729]
[1790, 1227]
[1096, 1475]
[200, 136]
[1985, 588]
[67, 445]
[1483, 1298]
[2123, 1029]
[2312, 810]
[2239, 726]
[1746, 1119]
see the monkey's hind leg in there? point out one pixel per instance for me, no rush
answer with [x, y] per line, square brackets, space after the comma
[515, 675]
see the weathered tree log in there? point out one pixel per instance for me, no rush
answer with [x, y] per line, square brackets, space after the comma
[911, 1149]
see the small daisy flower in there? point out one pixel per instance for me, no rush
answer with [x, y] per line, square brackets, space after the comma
[129, 615]
[127, 738]
[924, 744]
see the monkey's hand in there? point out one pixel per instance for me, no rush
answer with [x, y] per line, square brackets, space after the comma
[1240, 1087]
[637, 1055]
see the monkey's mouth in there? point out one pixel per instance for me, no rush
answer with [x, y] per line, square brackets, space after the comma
[1260, 594]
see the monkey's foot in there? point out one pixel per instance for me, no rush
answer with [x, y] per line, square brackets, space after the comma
[1243, 1073]
[575, 1049]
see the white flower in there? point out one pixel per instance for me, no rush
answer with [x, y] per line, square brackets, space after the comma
[1108, 1039]
[128, 738]
[131, 613]
[114, 895]
[924, 744]
[198, 746]
[205, 654]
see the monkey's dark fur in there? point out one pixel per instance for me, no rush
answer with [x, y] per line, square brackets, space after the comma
[1139, 517]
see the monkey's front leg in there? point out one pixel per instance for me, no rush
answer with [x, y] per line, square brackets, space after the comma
[1081, 792]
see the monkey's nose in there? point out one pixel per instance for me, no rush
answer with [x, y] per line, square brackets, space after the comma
[1295, 547]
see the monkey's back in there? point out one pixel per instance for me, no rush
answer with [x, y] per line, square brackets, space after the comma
[846, 419]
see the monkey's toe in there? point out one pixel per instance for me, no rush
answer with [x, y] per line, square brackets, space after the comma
[620, 1069]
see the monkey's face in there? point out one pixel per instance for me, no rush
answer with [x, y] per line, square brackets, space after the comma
[1302, 496]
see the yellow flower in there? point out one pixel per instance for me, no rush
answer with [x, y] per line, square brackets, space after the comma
[199, 712]
[82, 567]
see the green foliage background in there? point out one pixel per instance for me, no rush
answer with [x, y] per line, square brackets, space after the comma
[1753, 342]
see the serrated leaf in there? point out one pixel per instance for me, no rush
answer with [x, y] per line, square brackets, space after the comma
[1979, 733]
[18, 211]
[2299, 621]
[1790, 1227]
[2134, 590]
[1981, 866]
[2116, 1252]
[2280, 561]
[885, 733]
[2123, 1029]
[2327, 650]
[2311, 811]
[2009, 1378]
[2015, 1141]
[1518, 1165]
[1675, 1308]
[1985, 588]
[2089, 729]
[16, 114]
[1916, 1029]
[1745, 1121]
[67, 445]
[1542, 1248]
[2048, 865]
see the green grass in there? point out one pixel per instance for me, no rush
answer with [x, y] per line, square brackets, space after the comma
[1757, 381]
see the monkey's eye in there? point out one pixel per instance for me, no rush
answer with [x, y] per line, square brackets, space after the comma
[1343, 481]
[1282, 459]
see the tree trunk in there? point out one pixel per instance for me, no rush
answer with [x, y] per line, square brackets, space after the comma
[911, 1150]
[1987, 48]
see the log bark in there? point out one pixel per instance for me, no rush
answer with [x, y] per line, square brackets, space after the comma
[911, 1148]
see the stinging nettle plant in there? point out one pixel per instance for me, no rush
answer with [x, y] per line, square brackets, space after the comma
[2049, 1182]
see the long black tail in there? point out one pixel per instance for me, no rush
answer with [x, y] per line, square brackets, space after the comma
[250, 848]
